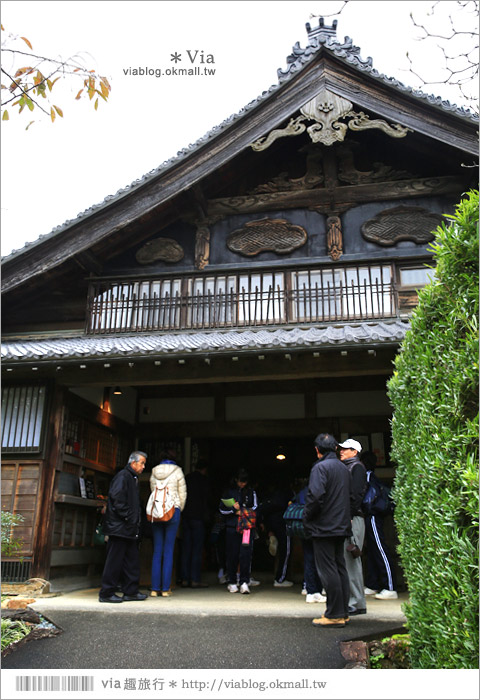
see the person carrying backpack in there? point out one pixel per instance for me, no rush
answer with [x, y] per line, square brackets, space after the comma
[167, 477]
[377, 504]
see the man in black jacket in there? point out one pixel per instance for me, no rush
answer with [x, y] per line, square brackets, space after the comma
[122, 525]
[349, 454]
[326, 520]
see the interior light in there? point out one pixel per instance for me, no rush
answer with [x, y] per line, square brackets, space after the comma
[280, 454]
[117, 391]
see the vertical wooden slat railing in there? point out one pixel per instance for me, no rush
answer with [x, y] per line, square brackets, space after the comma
[255, 298]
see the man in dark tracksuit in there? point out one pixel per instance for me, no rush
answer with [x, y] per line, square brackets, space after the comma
[270, 514]
[122, 525]
[327, 520]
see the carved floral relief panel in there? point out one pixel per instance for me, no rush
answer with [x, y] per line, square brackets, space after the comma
[272, 235]
[164, 249]
[401, 224]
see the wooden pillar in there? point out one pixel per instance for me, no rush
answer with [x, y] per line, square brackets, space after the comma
[53, 454]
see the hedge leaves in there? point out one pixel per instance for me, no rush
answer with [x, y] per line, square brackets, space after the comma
[434, 393]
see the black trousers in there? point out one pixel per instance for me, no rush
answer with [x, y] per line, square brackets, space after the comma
[283, 551]
[380, 572]
[238, 554]
[330, 563]
[122, 564]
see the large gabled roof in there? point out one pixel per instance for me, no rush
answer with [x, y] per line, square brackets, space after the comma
[298, 83]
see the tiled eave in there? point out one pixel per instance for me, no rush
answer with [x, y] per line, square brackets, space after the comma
[200, 343]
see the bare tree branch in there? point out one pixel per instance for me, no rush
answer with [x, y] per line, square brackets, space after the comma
[460, 66]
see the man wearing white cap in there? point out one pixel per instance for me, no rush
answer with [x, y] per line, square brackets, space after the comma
[349, 451]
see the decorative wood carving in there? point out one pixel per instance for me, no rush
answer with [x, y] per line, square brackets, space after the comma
[202, 239]
[348, 194]
[334, 237]
[313, 176]
[276, 235]
[401, 224]
[293, 128]
[347, 171]
[202, 246]
[361, 121]
[326, 109]
[165, 249]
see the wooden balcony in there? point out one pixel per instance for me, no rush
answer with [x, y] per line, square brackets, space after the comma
[243, 299]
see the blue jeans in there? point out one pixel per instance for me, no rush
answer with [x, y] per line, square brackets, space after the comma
[192, 549]
[164, 535]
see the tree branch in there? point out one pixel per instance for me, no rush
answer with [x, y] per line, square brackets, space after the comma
[23, 91]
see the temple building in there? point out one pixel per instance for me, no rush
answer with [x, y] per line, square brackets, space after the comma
[243, 297]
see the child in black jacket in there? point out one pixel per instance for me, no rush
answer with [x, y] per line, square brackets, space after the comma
[238, 498]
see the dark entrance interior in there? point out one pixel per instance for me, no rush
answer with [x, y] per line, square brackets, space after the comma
[259, 457]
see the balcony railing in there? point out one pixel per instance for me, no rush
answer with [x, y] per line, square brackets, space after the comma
[243, 299]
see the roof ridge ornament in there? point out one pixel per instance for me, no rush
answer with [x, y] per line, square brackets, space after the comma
[318, 37]
[322, 31]
[326, 110]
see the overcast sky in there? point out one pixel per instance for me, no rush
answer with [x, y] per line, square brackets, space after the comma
[53, 172]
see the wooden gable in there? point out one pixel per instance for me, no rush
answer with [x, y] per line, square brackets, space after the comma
[396, 146]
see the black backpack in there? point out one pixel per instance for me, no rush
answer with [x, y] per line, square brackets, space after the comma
[378, 497]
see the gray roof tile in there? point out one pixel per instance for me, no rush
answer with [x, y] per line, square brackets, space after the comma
[201, 342]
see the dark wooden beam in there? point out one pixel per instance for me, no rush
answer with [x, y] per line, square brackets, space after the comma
[324, 199]
[292, 428]
[246, 368]
[46, 514]
[88, 262]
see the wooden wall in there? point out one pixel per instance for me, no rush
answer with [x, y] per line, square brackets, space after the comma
[20, 495]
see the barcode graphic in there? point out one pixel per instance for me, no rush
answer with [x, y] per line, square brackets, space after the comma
[51, 683]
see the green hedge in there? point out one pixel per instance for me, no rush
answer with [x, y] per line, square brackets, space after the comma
[434, 393]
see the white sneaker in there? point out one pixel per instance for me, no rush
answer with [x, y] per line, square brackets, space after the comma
[386, 595]
[232, 588]
[315, 598]
[283, 584]
[304, 591]
[272, 545]
[254, 582]
[244, 588]
[370, 591]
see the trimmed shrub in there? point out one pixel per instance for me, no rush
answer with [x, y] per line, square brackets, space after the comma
[434, 393]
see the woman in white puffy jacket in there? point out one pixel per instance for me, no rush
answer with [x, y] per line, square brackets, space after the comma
[165, 532]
